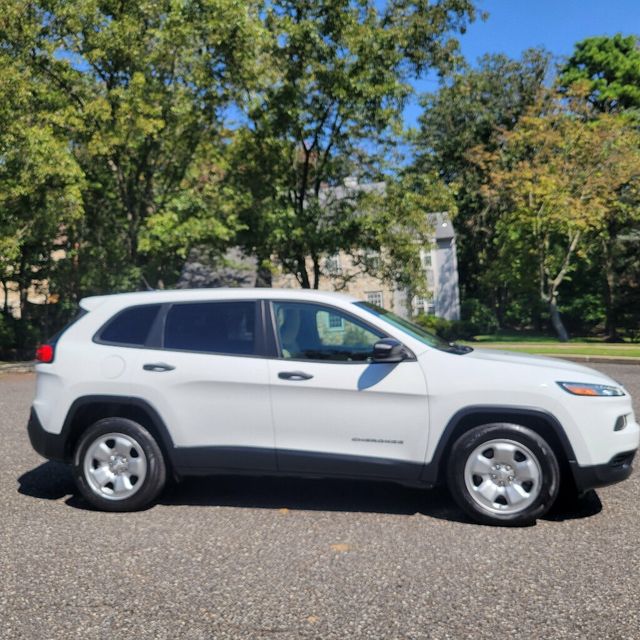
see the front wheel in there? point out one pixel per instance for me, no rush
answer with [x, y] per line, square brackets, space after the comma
[503, 474]
[118, 465]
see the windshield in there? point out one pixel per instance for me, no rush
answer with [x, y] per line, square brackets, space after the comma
[414, 330]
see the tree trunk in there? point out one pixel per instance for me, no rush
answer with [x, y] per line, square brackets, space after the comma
[5, 303]
[264, 277]
[303, 276]
[556, 320]
[609, 293]
[316, 272]
[549, 287]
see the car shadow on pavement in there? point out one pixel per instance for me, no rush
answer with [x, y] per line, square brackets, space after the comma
[53, 481]
[49, 481]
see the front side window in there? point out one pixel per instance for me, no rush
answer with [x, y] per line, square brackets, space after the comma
[316, 332]
[130, 327]
[212, 327]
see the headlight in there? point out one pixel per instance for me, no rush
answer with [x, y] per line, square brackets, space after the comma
[588, 389]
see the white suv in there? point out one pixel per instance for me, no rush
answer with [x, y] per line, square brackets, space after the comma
[304, 383]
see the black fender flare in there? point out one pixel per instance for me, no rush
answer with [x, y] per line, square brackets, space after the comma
[160, 428]
[475, 415]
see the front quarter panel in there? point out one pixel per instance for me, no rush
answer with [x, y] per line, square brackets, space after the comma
[458, 381]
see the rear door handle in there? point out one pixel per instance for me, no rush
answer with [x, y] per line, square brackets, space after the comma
[158, 367]
[294, 375]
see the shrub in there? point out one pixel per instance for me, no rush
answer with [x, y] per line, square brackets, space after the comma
[447, 329]
[478, 318]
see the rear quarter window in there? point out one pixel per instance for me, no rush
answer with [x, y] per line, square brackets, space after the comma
[130, 327]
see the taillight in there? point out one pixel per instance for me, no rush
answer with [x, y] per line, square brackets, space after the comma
[45, 353]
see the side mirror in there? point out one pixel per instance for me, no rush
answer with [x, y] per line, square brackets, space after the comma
[389, 350]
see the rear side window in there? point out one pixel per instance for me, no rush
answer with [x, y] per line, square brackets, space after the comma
[130, 327]
[212, 327]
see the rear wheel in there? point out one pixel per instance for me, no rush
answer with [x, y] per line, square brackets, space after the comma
[118, 465]
[503, 474]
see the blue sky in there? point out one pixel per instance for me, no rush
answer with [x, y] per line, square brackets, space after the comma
[515, 25]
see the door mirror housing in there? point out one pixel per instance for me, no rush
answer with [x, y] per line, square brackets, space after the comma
[389, 350]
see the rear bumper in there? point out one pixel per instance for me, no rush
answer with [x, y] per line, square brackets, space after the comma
[619, 468]
[48, 445]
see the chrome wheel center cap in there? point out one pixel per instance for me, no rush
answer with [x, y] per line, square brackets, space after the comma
[502, 474]
[117, 464]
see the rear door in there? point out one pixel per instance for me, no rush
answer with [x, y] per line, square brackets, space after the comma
[209, 381]
[336, 412]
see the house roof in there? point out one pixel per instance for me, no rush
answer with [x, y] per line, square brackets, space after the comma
[443, 227]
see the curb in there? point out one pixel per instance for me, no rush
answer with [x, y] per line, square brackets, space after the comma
[596, 359]
[18, 367]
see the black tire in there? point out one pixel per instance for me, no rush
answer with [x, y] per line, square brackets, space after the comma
[155, 470]
[535, 453]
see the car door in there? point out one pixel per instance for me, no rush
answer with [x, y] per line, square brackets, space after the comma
[209, 382]
[335, 411]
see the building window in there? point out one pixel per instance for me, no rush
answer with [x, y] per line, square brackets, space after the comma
[375, 297]
[424, 305]
[335, 322]
[372, 260]
[332, 265]
[425, 258]
[430, 279]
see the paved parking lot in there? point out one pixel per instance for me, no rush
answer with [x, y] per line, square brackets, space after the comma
[287, 558]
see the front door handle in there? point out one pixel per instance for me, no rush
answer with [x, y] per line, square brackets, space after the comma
[294, 375]
[158, 367]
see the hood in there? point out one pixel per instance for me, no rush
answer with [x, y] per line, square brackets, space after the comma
[530, 360]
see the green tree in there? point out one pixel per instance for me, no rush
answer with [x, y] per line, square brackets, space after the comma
[609, 68]
[606, 71]
[470, 110]
[335, 83]
[149, 83]
[395, 225]
[40, 188]
[556, 181]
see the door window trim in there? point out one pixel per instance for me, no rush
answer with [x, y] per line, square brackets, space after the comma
[260, 350]
[275, 338]
[264, 347]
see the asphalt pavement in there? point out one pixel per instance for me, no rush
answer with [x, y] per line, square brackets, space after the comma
[287, 558]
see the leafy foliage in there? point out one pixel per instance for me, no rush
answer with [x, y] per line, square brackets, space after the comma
[469, 111]
[335, 82]
[608, 68]
[556, 182]
[40, 186]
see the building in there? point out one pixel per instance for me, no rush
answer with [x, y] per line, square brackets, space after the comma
[439, 261]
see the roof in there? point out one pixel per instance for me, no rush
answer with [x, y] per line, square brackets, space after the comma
[440, 219]
[442, 225]
[220, 293]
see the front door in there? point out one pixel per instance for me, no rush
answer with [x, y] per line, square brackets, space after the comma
[335, 412]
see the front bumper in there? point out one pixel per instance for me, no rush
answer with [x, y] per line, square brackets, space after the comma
[49, 445]
[619, 468]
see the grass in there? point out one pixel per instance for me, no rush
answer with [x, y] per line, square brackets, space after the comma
[545, 345]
